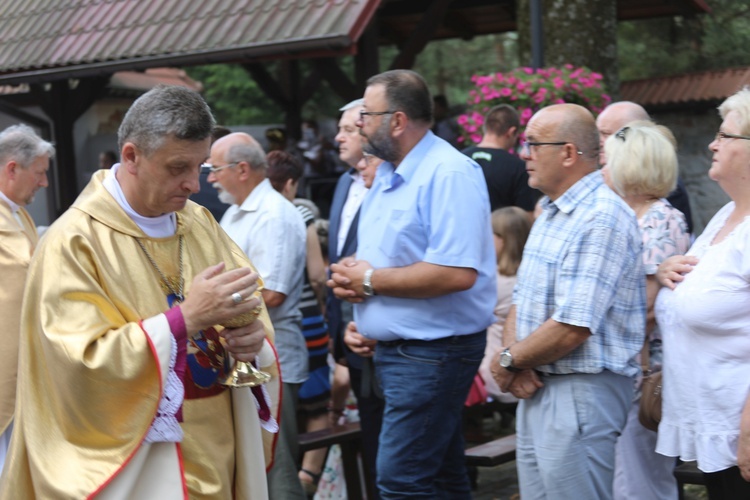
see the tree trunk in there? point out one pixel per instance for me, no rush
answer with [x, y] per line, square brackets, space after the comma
[579, 32]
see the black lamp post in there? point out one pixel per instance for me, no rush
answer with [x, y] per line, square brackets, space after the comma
[537, 35]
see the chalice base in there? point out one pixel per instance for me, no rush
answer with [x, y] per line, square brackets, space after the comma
[244, 374]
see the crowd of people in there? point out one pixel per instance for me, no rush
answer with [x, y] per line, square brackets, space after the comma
[559, 275]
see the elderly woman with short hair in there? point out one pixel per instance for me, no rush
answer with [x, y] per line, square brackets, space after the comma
[642, 168]
[704, 315]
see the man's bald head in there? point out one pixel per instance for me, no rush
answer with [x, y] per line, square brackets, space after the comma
[563, 148]
[575, 124]
[613, 118]
[239, 146]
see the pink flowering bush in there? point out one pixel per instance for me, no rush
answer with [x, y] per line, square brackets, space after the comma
[528, 91]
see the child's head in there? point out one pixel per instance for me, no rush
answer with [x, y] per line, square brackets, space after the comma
[510, 226]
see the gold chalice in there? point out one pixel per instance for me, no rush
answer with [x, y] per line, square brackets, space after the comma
[244, 374]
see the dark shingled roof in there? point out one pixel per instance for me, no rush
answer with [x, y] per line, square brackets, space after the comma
[42, 40]
[46, 40]
[707, 87]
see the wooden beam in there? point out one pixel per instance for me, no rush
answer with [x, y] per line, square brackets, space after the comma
[289, 78]
[267, 83]
[337, 79]
[367, 60]
[422, 34]
[460, 25]
[64, 101]
[310, 85]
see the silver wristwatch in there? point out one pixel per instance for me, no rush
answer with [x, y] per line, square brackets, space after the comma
[506, 361]
[367, 288]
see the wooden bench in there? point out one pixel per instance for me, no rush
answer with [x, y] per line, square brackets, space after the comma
[687, 473]
[349, 438]
[492, 453]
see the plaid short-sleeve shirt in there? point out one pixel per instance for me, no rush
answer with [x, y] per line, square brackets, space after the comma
[582, 266]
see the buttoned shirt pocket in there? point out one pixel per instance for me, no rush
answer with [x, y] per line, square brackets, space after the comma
[404, 240]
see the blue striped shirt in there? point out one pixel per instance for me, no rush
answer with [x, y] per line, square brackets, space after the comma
[582, 266]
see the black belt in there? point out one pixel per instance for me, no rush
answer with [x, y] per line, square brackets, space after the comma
[546, 374]
[444, 340]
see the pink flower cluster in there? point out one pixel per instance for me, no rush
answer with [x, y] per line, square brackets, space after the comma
[529, 90]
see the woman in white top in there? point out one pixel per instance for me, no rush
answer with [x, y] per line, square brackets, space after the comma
[704, 315]
[642, 168]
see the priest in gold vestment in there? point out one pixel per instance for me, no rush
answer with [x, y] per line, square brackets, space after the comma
[24, 161]
[121, 355]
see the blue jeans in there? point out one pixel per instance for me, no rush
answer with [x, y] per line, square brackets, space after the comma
[425, 384]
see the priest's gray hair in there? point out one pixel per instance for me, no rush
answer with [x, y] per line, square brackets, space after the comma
[165, 111]
[22, 144]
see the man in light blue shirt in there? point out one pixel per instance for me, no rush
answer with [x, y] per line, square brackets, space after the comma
[578, 317]
[424, 286]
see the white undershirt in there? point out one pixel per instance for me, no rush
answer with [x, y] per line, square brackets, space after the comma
[13, 207]
[357, 192]
[156, 227]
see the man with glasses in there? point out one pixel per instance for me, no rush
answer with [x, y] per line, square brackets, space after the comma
[423, 286]
[207, 196]
[578, 317]
[271, 232]
[613, 118]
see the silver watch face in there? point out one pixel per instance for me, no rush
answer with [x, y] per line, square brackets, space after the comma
[506, 359]
[367, 284]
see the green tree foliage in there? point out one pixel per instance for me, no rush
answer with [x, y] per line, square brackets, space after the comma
[448, 65]
[234, 97]
[667, 46]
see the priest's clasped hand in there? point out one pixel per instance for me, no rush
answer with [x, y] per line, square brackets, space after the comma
[210, 301]
[246, 341]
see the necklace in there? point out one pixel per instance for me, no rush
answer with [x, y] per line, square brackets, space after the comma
[179, 293]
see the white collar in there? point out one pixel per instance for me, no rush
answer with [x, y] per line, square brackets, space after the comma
[13, 206]
[162, 226]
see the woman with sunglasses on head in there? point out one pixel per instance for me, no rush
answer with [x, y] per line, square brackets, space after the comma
[704, 315]
[642, 168]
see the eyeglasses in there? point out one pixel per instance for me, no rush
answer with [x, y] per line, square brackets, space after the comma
[213, 170]
[527, 145]
[620, 134]
[362, 114]
[723, 135]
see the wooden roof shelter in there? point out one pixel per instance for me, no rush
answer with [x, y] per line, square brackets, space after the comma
[67, 50]
[693, 90]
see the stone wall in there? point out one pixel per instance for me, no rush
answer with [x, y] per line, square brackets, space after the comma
[694, 131]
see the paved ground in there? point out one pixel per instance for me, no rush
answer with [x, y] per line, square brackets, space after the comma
[497, 483]
[501, 483]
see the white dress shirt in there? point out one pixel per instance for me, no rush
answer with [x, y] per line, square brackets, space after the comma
[357, 192]
[270, 230]
[13, 207]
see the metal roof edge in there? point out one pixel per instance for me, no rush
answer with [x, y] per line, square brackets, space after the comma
[701, 4]
[296, 48]
[364, 19]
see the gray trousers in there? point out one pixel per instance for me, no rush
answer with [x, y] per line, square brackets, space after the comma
[283, 481]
